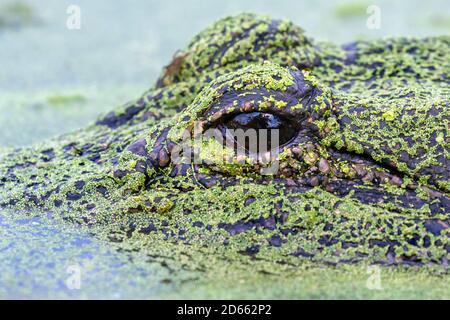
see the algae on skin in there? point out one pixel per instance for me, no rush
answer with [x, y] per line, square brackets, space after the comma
[16, 14]
[364, 178]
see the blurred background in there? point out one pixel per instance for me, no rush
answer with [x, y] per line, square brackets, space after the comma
[54, 79]
[123, 42]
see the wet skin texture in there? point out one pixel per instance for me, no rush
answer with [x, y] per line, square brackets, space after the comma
[363, 171]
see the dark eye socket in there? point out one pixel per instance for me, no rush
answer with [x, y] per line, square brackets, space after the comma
[258, 121]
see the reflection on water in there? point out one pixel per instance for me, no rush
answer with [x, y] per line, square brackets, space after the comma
[116, 55]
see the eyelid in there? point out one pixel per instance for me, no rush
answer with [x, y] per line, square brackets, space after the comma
[288, 129]
[231, 101]
[227, 112]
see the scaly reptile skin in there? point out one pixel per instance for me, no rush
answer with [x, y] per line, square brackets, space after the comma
[365, 176]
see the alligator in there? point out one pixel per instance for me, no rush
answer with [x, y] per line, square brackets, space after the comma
[358, 169]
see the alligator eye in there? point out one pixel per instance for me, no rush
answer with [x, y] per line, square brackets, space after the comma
[258, 130]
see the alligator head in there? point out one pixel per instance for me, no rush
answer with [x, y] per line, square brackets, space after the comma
[256, 140]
